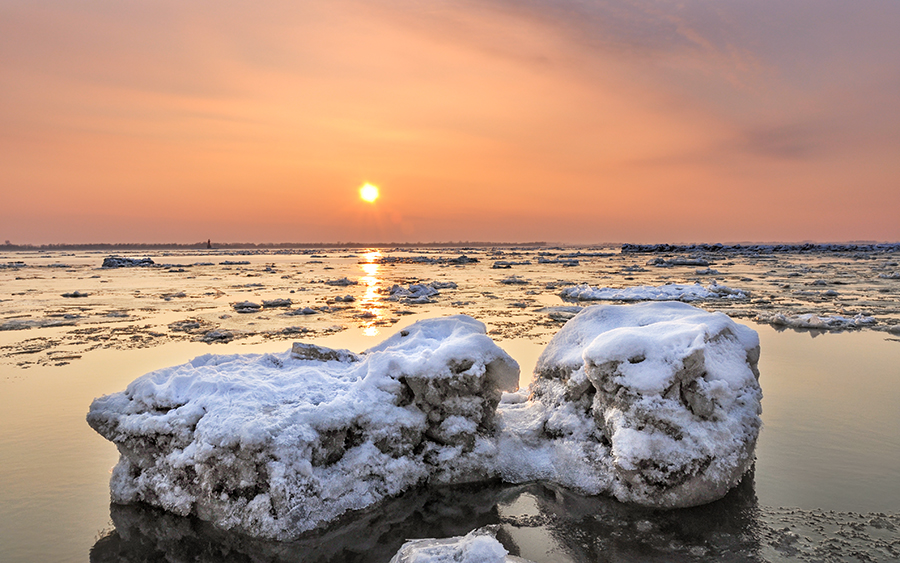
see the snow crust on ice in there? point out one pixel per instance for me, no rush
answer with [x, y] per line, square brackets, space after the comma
[123, 262]
[478, 546]
[671, 292]
[820, 322]
[653, 403]
[277, 444]
[418, 293]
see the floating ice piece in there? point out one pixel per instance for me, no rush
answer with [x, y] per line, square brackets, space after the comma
[277, 444]
[418, 294]
[560, 312]
[678, 261]
[506, 264]
[565, 262]
[122, 262]
[655, 403]
[461, 260]
[303, 311]
[218, 335]
[25, 324]
[514, 280]
[76, 294]
[891, 276]
[246, 307]
[341, 282]
[478, 546]
[813, 321]
[671, 292]
[272, 303]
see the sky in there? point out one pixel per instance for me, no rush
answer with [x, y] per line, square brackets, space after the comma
[569, 121]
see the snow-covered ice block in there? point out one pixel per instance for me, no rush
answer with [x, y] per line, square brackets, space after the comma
[478, 546]
[654, 403]
[670, 292]
[277, 444]
[819, 322]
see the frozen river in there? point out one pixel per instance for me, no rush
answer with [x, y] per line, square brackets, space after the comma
[828, 459]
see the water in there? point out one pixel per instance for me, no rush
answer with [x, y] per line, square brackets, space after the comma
[828, 459]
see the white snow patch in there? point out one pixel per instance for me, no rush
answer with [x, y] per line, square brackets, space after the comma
[820, 322]
[671, 292]
[478, 546]
[654, 403]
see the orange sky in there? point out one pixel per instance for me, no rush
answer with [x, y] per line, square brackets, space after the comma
[564, 121]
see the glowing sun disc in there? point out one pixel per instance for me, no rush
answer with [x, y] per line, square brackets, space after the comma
[368, 193]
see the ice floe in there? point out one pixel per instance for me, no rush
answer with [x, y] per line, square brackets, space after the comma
[276, 303]
[820, 322]
[121, 262]
[277, 444]
[655, 403]
[670, 292]
[246, 307]
[418, 293]
[663, 263]
[478, 546]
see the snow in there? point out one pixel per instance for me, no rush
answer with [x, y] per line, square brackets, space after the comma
[277, 444]
[122, 262]
[670, 292]
[418, 293]
[820, 322]
[478, 546]
[654, 403]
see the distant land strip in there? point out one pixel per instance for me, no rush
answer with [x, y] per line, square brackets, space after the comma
[127, 246]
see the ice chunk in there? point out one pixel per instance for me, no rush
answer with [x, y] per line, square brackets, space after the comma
[819, 322]
[671, 292]
[273, 303]
[655, 403]
[76, 293]
[246, 307]
[478, 546]
[121, 262]
[342, 282]
[677, 261]
[416, 293]
[277, 444]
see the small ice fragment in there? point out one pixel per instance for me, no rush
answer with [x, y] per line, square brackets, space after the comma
[478, 546]
[76, 294]
[272, 303]
[246, 307]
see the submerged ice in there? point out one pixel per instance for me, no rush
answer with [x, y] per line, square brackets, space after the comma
[655, 403]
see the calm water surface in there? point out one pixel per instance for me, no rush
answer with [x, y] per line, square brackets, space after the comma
[827, 470]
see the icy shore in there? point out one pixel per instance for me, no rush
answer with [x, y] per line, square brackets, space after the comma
[655, 403]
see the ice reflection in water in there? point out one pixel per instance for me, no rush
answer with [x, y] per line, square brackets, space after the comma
[371, 301]
[538, 522]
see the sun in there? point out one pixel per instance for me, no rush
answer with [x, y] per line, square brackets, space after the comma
[368, 193]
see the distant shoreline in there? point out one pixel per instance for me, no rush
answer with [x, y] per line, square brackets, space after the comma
[263, 246]
[629, 248]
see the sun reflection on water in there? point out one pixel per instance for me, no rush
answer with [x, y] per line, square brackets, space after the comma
[371, 300]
